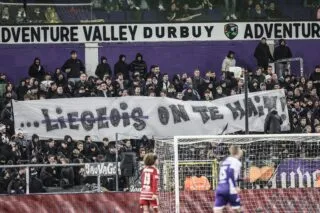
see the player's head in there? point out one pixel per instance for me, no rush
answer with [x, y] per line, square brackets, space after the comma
[150, 159]
[235, 151]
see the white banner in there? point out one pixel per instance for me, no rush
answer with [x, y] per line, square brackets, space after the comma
[102, 169]
[150, 116]
[158, 32]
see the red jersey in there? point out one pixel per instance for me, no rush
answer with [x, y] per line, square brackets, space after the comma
[149, 182]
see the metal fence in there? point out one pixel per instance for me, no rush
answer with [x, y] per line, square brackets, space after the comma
[293, 65]
[88, 170]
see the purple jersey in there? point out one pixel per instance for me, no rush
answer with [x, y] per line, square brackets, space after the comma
[226, 189]
[229, 175]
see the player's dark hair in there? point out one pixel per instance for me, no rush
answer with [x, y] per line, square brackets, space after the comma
[150, 159]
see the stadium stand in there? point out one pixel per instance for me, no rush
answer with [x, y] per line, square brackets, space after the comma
[148, 11]
[302, 99]
[137, 77]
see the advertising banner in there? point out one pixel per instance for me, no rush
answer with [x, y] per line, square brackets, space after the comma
[169, 32]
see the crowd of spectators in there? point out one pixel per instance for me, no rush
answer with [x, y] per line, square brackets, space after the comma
[163, 10]
[20, 150]
[134, 78]
[24, 15]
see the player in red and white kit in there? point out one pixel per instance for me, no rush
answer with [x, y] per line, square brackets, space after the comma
[149, 184]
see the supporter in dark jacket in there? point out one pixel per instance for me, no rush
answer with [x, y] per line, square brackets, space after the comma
[164, 84]
[9, 91]
[103, 147]
[5, 151]
[282, 51]
[262, 54]
[49, 175]
[66, 175]
[51, 148]
[83, 82]
[17, 184]
[82, 92]
[219, 93]
[73, 66]
[120, 83]
[22, 90]
[61, 81]
[259, 76]
[24, 145]
[122, 67]
[56, 74]
[103, 68]
[60, 93]
[80, 148]
[295, 125]
[93, 152]
[52, 90]
[36, 185]
[71, 144]
[190, 94]
[103, 92]
[38, 148]
[315, 78]
[258, 13]
[139, 66]
[36, 70]
[273, 122]
[177, 82]
[273, 12]
[155, 72]
[254, 87]
[64, 149]
[111, 152]
[197, 80]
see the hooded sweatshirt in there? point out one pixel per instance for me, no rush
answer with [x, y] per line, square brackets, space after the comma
[122, 67]
[139, 66]
[282, 51]
[36, 70]
[103, 68]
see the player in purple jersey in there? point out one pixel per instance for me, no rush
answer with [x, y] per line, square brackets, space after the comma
[227, 191]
